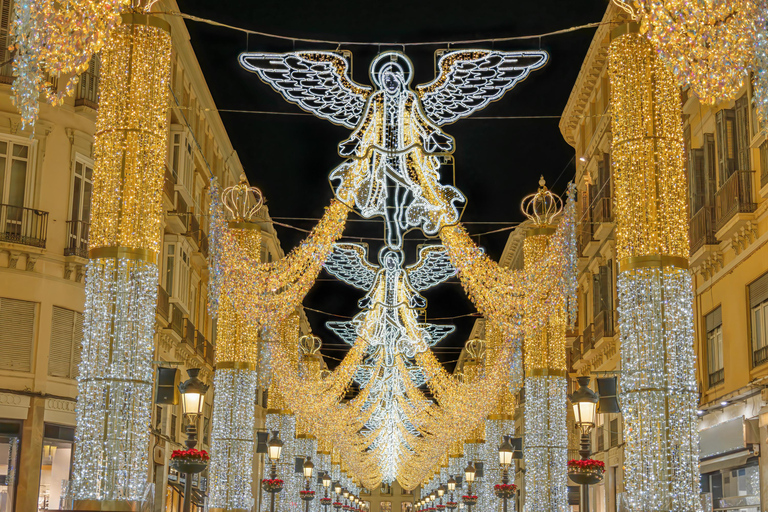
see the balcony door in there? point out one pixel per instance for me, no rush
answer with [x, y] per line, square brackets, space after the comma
[80, 210]
[14, 184]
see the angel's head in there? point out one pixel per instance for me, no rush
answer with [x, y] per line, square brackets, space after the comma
[389, 259]
[391, 71]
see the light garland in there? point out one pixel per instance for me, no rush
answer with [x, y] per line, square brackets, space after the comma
[55, 39]
[761, 65]
[237, 362]
[709, 46]
[659, 393]
[545, 435]
[116, 377]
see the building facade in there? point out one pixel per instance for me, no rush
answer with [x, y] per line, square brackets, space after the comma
[728, 176]
[45, 190]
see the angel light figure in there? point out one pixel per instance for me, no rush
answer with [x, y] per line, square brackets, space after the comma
[395, 150]
[389, 321]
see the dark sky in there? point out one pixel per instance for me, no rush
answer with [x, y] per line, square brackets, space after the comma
[498, 161]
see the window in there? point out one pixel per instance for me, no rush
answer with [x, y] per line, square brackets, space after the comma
[80, 210]
[174, 422]
[764, 163]
[15, 182]
[714, 321]
[742, 133]
[17, 335]
[10, 445]
[56, 465]
[385, 506]
[66, 343]
[758, 303]
[614, 432]
[158, 418]
[385, 489]
[725, 121]
[181, 161]
[177, 273]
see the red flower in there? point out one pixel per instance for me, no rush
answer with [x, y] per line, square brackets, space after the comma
[190, 454]
[469, 497]
[589, 464]
[505, 487]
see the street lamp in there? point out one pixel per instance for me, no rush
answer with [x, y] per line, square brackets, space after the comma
[469, 476]
[506, 455]
[451, 489]
[274, 449]
[307, 494]
[584, 402]
[192, 392]
[326, 485]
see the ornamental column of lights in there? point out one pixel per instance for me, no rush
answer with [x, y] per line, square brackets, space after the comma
[659, 395]
[545, 434]
[115, 381]
[236, 378]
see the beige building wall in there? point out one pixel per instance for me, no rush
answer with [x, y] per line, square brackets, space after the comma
[728, 174]
[43, 254]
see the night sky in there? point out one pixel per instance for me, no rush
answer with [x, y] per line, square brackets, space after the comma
[498, 161]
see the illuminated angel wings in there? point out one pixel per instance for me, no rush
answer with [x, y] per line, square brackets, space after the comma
[348, 263]
[319, 82]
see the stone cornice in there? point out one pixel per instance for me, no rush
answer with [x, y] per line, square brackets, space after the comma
[591, 69]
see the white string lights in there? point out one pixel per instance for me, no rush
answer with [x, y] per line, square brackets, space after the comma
[545, 435]
[659, 392]
[115, 380]
[394, 153]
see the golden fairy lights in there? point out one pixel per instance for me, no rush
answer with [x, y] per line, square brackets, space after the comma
[53, 39]
[707, 45]
[116, 377]
[659, 394]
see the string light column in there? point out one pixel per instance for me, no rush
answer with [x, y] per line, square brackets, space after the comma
[111, 466]
[654, 286]
[236, 378]
[545, 433]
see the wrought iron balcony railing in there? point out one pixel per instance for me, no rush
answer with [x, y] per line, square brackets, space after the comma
[25, 226]
[734, 196]
[77, 238]
[702, 228]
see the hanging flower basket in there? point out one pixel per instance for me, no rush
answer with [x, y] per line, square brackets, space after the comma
[452, 505]
[346, 508]
[272, 484]
[337, 505]
[440, 508]
[469, 500]
[307, 495]
[586, 472]
[189, 461]
[505, 491]
[325, 501]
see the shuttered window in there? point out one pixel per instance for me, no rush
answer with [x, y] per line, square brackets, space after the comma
[714, 321]
[725, 121]
[758, 302]
[17, 336]
[5, 25]
[66, 343]
[742, 134]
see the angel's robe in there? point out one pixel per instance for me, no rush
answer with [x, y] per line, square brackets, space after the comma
[394, 168]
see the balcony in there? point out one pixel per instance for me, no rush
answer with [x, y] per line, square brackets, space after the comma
[208, 356]
[587, 339]
[200, 342]
[177, 218]
[87, 90]
[204, 245]
[602, 216]
[733, 199]
[6, 58]
[163, 303]
[25, 226]
[585, 237]
[169, 185]
[77, 239]
[177, 321]
[760, 356]
[189, 333]
[702, 228]
[193, 229]
[604, 325]
[716, 377]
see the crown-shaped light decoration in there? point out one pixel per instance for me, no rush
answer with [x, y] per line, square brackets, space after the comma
[543, 206]
[309, 344]
[235, 200]
[475, 348]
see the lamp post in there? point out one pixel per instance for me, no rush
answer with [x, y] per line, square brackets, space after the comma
[192, 392]
[307, 495]
[274, 448]
[326, 485]
[506, 453]
[584, 402]
[451, 489]
[469, 476]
